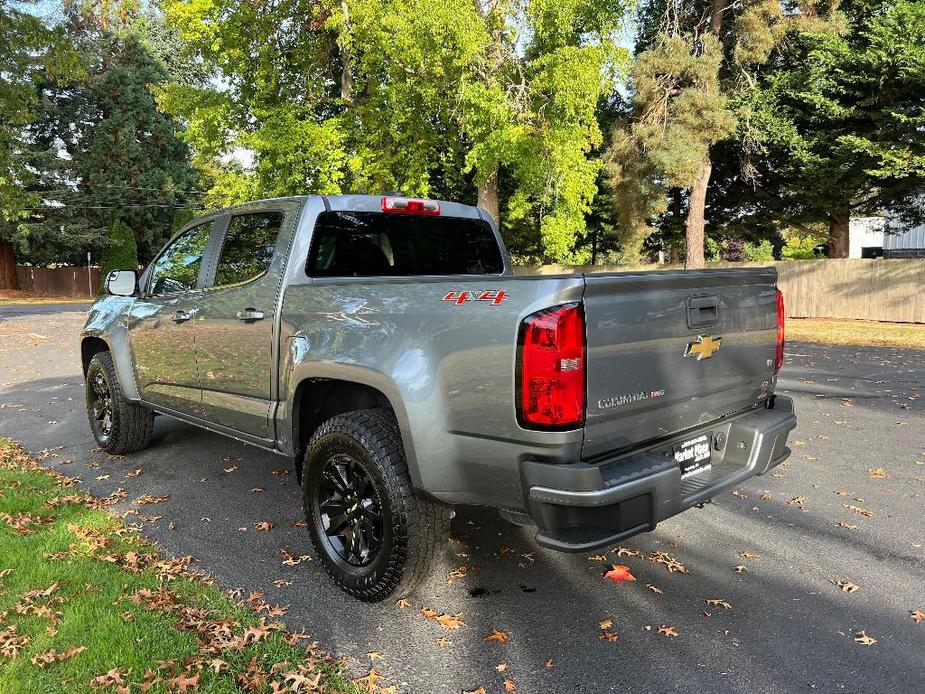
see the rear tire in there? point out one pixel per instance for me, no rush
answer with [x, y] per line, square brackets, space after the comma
[374, 536]
[119, 426]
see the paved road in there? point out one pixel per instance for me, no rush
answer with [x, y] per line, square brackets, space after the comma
[8, 310]
[789, 629]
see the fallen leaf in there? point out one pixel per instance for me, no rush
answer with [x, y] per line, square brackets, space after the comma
[749, 555]
[480, 690]
[509, 686]
[549, 664]
[370, 681]
[917, 615]
[843, 492]
[605, 625]
[374, 656]
[867, 513]
[263, 525]
[402, 603]
[495, 635]
[877, 473]
[501, 667]
[797, 501]
[609, 636]
[716, 602]
[598, 557]
[739, 568]
[654, 588]
[848, 526]
[619, 572]
[846, 586]
[443, 642]
[666, 630]
[52, 656]
[862, 638]
[626, 552]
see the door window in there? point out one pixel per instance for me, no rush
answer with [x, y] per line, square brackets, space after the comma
[248, 248]
[177, 268]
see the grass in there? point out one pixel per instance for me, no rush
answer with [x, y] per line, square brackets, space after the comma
[86, 605]
[16, 296]
[856, 332]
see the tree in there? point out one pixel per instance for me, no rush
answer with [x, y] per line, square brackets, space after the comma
[839, 120]
[479, 101]
[697, 58]
[120, 253]
[32, 52]
[118, 159]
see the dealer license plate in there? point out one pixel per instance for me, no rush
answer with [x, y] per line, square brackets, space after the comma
[693, 455]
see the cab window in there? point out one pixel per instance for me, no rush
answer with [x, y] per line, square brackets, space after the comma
[177, 268]
[248, 247]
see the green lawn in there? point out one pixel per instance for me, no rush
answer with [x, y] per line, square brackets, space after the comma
[856, 332]
[86, 605]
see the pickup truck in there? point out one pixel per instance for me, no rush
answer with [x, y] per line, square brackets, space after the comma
[387, 347]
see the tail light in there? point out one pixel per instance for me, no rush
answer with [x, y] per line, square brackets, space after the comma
[779, 354]
[396, 205]
[551, 377]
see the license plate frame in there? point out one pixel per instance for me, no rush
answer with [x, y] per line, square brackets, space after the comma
[694, 455]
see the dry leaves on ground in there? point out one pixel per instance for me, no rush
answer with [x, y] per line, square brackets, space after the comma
[862, 638]
[846, 586]
[619, 572]
[666, 630]
[447, 621]
[495, 635]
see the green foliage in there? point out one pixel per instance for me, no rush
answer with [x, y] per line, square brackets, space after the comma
[761, 252]
[836, 125]
[801, 247]
[424, 96]
[120, 253]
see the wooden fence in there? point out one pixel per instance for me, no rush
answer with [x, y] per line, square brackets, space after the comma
[881, 290]
[59, 281]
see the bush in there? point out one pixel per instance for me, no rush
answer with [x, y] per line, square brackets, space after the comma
[121, 252]
[759, 252]
[800, 247]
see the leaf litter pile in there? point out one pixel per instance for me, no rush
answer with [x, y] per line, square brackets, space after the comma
[86, 605]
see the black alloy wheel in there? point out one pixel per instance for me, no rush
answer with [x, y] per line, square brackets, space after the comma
[100, 404]
[349, 510]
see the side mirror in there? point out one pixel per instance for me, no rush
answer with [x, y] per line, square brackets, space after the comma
[121, 282]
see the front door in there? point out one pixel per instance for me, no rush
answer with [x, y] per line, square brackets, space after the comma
[235, 339]
[162, 325]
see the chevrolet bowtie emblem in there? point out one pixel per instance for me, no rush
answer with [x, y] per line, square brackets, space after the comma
[703, 347]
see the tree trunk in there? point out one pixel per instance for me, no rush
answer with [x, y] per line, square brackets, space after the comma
[698, 201]
[8, 278]
[839, 221]
[695, 216]
[488, 195]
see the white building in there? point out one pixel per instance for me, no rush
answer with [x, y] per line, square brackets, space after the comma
[867, 239]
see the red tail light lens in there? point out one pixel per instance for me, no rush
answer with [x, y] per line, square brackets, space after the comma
[779, 355]
[551, 388]
[397, 205]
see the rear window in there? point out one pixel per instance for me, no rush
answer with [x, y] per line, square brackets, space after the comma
[372, 244]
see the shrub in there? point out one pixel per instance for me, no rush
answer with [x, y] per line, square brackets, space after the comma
[121, 252]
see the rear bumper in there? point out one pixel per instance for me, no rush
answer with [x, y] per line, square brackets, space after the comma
[581, 507]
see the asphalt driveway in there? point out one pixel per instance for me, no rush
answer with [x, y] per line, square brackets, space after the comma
[848, 506]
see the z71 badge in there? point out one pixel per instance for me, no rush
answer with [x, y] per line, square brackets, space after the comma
[493, 296]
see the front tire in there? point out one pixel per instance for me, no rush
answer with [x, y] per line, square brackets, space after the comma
[119, 426]
[374, 536]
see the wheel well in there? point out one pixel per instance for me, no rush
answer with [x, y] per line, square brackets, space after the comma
[318, 399]
[90, 347]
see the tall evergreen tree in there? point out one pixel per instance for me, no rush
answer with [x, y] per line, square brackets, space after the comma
[121, 160]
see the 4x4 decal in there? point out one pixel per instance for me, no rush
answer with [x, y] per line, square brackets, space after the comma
[494, 296]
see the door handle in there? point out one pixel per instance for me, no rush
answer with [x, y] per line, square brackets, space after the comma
[249, 315]
[702, 311]
[181, 317]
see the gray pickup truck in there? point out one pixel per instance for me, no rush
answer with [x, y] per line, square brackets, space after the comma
[387, 347]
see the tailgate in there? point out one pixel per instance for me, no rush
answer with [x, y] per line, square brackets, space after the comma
[645, 332]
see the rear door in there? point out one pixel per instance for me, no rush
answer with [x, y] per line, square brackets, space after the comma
[668, 351]
[235, 347]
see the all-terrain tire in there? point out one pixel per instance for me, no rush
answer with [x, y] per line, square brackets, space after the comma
[415, 529]
[131, 423]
